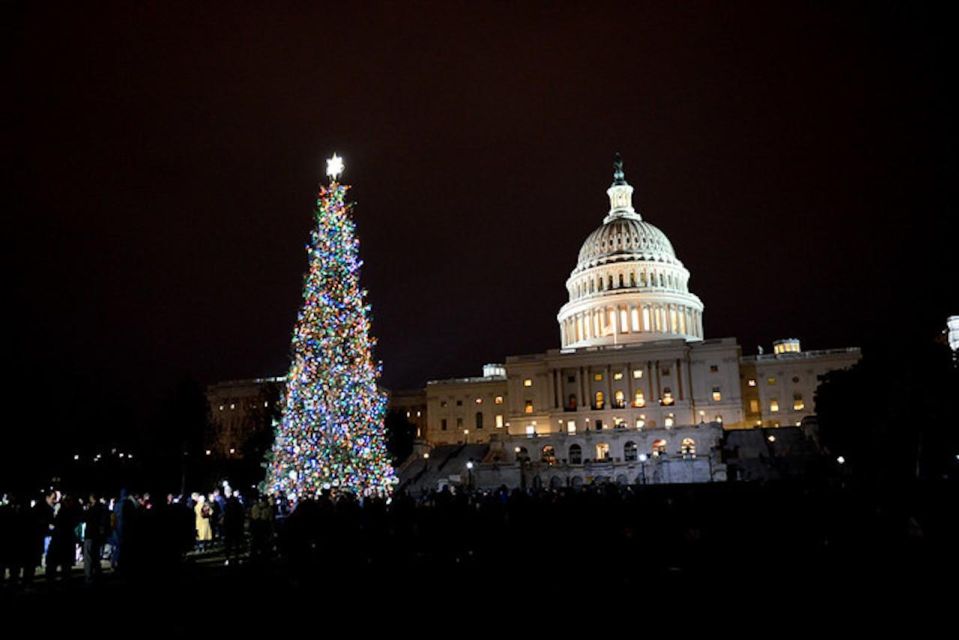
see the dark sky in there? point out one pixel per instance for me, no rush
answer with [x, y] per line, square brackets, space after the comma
[164, 157]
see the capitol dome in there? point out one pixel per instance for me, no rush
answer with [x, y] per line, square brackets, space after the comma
[625, 238]
[628, 285]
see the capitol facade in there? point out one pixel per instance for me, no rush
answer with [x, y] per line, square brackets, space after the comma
[635, 393]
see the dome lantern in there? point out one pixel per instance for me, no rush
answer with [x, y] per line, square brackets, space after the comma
[620, 194]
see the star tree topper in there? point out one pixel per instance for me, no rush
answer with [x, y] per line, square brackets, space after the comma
[334, 167]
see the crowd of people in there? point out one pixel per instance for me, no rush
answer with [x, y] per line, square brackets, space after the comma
[632, 532]
[54, 532]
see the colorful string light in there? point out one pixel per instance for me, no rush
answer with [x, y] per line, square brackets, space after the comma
[331, 434]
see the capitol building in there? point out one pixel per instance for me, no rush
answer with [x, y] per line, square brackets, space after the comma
[635, 393]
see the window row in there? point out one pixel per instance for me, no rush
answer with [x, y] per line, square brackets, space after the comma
[631, 280]
[601, 452]
[478, 421]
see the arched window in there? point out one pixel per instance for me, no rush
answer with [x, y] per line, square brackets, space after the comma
[639, 399]
[688, 447]
[610, 281]
[602, 451]
[575, 454]
[619, 399]
[632, 279]
[659, 447]
[662, 281]
[600, 400]
[621, 283]
[549, 454]
[629, 452]
[479, 419]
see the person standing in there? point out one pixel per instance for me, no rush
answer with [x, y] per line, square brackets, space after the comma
[203, 512]
[96, 521]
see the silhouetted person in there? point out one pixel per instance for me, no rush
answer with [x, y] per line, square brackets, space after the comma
[233, 521]
[62, 552]
[96, 521]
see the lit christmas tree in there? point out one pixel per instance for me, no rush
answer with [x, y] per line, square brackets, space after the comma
[331, 434]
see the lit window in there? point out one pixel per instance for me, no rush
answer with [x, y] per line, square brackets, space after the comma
[531, 429]
[688, 446]
[717, 396]
[598, 377]
[771, 380]
[620, 399]
[754, 406]
[618, 375]
[798, 403]
[602, 451]
[529, 406]
[600, 399]
[667, 396]
[669, 421]
[751, 382]
[479, 401]
[637, 374]
[640, 423]
[571, 426]
[499, 420]
[639, 399]
[498, 400]
[528, 382]
[659, 447]
[774, 406]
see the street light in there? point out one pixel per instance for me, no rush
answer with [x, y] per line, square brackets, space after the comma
[642, 463]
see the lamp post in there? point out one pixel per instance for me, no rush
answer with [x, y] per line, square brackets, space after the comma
[642, 465]
[469, 476]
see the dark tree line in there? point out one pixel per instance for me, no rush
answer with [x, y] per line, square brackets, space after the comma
[893, 416]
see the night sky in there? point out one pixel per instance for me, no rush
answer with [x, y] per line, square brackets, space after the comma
[163, 160]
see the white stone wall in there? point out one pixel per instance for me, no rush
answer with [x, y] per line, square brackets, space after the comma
[455, 402]
[794, 374]
[672, 369]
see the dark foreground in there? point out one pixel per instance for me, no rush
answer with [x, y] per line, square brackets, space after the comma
[663, 552]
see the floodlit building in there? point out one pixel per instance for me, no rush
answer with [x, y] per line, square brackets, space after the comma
[634, 394]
